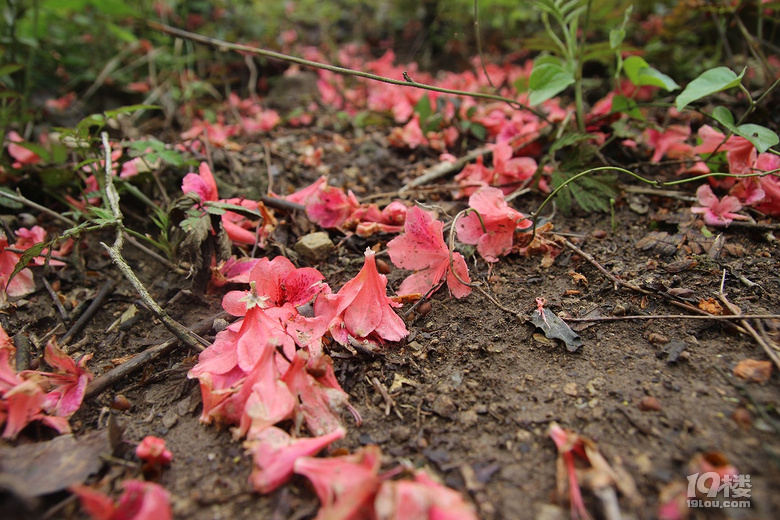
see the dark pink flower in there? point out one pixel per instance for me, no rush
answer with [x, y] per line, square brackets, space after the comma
[139, 501]
[152, 450]
[500, 222]
[422, 498]
[347, 485]
[22, 284]
[69, 380]
[274, 453]
[363, 309]
[717, 212]
[670, 142]
[422, 249]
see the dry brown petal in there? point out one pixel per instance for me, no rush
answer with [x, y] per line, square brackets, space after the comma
[753, 371]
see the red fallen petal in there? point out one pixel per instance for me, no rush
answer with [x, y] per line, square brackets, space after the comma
[275, 454]
[8, 376]
[238, 234]
[330, 207]
[366, 308]
[259, 335]
[201, 183]
[97, 505]
[346, 486]
[302, 196]
[152, 449]
[318, 403]
[143, 501]
[24, 403]
[423, 498]
[20, 153]
[422, 244]
[270, 400]
[302, 285]
[234, 271]
[500, 222]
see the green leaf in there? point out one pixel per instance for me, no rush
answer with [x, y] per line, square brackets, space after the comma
[616, 37]
[423, 108]
[219, 208]
[9, 203]
[709, 82]
[623, 105]
[548, 80]
[762, 137]
[130, 109]
[30, 253]
[642, 74]
[10, 68]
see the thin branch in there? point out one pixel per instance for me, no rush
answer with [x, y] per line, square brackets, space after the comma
[676, 317]
[89, 313]
[223, 45]
[27, 202]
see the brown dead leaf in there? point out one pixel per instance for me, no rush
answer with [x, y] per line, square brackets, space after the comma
[578, 278]
[47, 467]
[711, 306]
[661, 243]
[753, 371]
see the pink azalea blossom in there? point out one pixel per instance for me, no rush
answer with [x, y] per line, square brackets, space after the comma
[139, 501]
[422, 498]
[26, 238]
[68, 381]
[274, 453]
[717, 212]
[421, 248]
[410, 136]
[22, 284]
[670, 142]
[363, 308]
[20, 154]
[152, 451]
[500, 222]
[346, 485]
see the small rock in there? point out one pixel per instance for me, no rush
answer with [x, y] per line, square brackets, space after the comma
[170, 418]
[753, 371]
[444, 406]
[121, 403]
[468, 418]
[400, 433]
[570, 389]
[743, 418]
[315, 247]
[649, 404]
[657, 339]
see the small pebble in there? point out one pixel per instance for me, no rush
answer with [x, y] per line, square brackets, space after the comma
[743, 418]
[121, 403]
[382, 266]
[649, 404]
[424, 308]
[600, 234]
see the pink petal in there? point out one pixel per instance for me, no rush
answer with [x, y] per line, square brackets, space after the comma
[345, 485]
[422, 244]
[275, 454]
[143, 501]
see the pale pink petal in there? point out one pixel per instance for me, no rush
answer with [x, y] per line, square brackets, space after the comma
[347, 485]
[143, 501]
[275, 454]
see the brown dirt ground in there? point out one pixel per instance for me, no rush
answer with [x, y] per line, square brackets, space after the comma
[482, 385]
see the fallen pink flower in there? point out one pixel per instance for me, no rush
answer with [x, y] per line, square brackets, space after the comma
[233, 270]
[421, 499]
[69, 380]
[717, 212]
[363, 309]
[22, 284]
[24, 404]
[670, 142]
[26, 238]
[410, 136]
[346, 486]
[139, 501]
[570, 446]
[275, 453]
[500, 222]
[22, 155]
[422, 249]
[152, 451]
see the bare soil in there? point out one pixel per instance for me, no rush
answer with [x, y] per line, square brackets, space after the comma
[479, 386]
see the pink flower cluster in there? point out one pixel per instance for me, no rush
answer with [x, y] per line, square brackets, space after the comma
[49, 397]
[269, 366]
[332, 207]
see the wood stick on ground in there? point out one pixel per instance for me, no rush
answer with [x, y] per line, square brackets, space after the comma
[617, 282]
[89, 313]
[677, 317]
[137, 362]
[445, 168]
[768, 350]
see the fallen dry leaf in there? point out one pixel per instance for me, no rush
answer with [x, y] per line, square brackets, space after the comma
[711, 306]
[753, 371]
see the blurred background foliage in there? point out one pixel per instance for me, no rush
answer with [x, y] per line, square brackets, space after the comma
[51, 47]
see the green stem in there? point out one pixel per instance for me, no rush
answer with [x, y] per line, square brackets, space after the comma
[221, 44]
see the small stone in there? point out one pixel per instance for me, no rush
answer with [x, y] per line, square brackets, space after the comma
[170, 418]
[657, 339]
[121, 403]
[600, 234]
[468, 418]
[570, 389]
[424, 308]
[444, 406]
[649, 404]
[315, 247]
[400, 433]
[743, 418]
[382, 266]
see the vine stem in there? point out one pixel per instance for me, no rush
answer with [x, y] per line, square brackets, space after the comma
[221, 44]
[115, 252]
